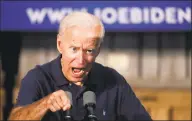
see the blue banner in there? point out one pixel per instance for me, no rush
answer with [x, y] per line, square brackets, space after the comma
[115, 15]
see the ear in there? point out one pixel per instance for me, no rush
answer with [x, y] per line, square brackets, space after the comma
[98, 51]
[59, 43]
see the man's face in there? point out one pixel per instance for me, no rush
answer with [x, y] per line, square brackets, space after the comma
[79, 48]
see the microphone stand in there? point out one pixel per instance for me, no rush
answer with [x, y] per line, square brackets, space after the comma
[90, 115]
[67, 116]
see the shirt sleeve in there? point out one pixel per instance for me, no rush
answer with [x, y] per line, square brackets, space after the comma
[29, 90]
[130, 106]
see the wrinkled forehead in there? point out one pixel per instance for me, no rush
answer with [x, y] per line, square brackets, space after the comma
[89, 34]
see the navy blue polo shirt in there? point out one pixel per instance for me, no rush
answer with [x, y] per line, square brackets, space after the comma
[115, 99]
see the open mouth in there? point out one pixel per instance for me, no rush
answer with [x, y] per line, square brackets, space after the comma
[78, 71]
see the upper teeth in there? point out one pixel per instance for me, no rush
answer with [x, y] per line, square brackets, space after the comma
[78, 68]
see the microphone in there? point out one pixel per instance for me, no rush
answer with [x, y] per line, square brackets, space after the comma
[68, 116]
[89, 102]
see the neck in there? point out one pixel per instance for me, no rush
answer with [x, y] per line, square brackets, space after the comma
[79, 83]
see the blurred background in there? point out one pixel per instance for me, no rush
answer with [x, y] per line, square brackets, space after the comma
[150, 49]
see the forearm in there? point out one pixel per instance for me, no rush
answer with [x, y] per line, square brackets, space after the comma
[34, 111]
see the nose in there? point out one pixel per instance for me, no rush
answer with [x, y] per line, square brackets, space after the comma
[81, 58]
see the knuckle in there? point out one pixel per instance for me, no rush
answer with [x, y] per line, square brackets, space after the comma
[69, 106]
[60, 91]
[55, 93]
[52, 109]
[51, 96]
[48, 102]
[59, 107]
[59, 102]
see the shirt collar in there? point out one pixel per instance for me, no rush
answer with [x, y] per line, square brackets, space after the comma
[57, 72]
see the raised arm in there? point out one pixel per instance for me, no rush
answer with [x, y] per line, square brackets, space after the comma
[34, 111]
[56, 101]
[31, 104]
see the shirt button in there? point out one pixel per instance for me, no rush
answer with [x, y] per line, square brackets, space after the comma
[70, 84]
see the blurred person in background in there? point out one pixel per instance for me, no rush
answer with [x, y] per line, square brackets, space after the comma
[9, 54]
[42, 95]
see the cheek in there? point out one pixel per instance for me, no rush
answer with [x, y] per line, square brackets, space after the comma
[90, 61]
[67, 57]
[67, 61]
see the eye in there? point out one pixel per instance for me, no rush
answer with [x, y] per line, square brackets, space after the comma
[74, 49]
[90, 51]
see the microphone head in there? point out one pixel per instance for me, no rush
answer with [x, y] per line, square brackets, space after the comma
[69, 96]
[89, 97]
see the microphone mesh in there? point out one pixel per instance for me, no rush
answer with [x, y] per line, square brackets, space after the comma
[89, 97]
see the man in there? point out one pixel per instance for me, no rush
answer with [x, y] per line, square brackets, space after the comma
[42, 95]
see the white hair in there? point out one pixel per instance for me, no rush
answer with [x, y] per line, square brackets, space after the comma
[80, 18]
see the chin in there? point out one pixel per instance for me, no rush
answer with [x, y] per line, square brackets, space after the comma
[76, 79]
